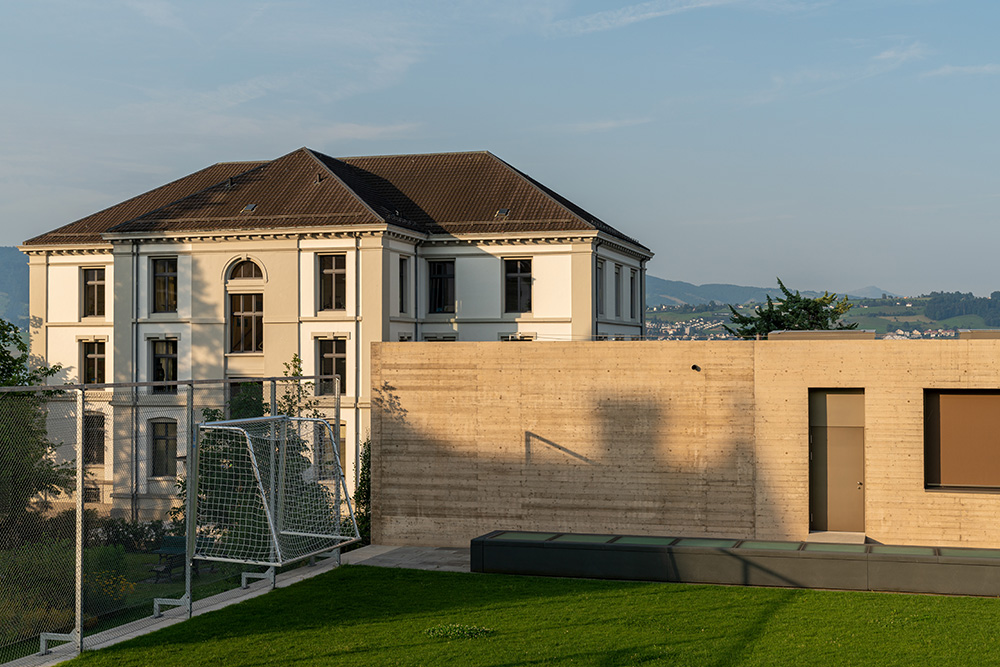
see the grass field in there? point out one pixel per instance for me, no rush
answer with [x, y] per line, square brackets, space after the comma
[359, 615]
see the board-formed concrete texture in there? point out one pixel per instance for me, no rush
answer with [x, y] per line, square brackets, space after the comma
[856, 567]
[695, 438]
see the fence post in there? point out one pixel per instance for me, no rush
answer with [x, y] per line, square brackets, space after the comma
[190, 525]
[78, 611]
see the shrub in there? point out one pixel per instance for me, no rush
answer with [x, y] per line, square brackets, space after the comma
[363, 494]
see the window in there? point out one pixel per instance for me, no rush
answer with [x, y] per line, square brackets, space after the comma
[633, 291]
[618, 290]
[91, 494]
[163, 448]
[93, 438]
[332, 361]
[440, 338]
[245, 269]
[332, 282]
[600, 287]
[441, 298]
[245, 398]
[165, 285]
[164, 354]
[517, 285]
[517, 337]
[403, 283]
[93, 292]
[961, 438]
[93, 362]
[246, 322]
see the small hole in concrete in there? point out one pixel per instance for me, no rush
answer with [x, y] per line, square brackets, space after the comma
[696, 368]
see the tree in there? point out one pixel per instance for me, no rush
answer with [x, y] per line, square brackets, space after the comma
[28, 467]
[793, 312]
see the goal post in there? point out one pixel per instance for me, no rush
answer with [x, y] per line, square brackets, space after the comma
[269, 491]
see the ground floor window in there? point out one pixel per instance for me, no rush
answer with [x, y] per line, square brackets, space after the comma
[163, 448]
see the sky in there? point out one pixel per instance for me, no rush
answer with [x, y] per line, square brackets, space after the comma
[835, 144]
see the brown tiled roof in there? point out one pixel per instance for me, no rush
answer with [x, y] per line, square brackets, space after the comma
[446, 193]
[87, 231]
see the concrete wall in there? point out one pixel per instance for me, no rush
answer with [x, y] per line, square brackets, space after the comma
[668, 438]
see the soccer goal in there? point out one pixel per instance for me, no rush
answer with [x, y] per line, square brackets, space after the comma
[269, 491]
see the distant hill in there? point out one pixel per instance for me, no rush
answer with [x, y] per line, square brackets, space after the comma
[675, 293]
[13, 286]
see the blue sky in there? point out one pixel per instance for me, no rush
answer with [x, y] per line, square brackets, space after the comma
[836, 144]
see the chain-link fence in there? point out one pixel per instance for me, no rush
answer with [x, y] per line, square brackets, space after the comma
[92, 500]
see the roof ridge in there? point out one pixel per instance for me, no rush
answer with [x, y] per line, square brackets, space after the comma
[393, 155]
[315, 156]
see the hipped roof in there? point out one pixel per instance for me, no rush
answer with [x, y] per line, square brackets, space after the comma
[444, 193]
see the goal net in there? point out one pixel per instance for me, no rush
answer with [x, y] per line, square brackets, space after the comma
[270, 491]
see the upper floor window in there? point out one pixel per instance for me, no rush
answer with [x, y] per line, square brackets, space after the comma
[163, 448]
[245, 269]
[164, 353]
[332, 362]
[165, 285]
[93, 362]
[332, 282]
[404, 283]
[246, 322]
[517, 285]
[93, 292]
[633, 291]
[618, 290]
[93, 438]
[441, 297]
[600, 286]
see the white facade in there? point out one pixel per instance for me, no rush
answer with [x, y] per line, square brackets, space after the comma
[391, 284]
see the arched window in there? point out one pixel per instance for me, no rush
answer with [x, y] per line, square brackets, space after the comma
[245, 269]
[246, 310]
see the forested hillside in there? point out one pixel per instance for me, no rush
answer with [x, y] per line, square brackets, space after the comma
[13, 286]
[943, 305]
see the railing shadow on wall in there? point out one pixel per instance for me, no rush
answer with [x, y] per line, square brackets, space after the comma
[530, 437]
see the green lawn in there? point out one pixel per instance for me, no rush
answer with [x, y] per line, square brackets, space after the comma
[359, 615]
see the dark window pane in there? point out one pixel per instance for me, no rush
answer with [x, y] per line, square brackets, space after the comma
[246, 322]
[332, 282]
[93, 292]
[517, 285]
[164, 449]
[165, 285]
[332, 361]
[165, 365]
[93, 438]
[441, 297]
[246, 269]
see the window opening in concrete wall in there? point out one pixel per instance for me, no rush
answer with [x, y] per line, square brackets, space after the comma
[962, 438]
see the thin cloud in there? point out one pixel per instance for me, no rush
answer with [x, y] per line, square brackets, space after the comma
[619, 18]
[956, 70]
[824, 81]
[604, 125]
[613, 19]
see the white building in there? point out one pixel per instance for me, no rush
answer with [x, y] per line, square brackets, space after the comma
[228, 272]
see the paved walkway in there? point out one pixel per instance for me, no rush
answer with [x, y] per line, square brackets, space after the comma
[416, 558]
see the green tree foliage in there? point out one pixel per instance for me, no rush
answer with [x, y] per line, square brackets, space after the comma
[28, 467]
[943, 305]
[792, 312]
[363, 495]
[229, 496]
